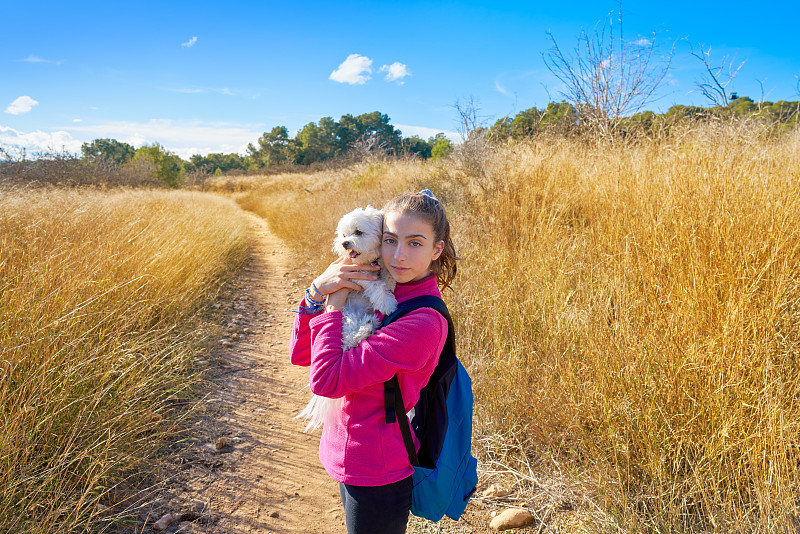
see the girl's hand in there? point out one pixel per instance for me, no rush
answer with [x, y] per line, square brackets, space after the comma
[340, 275]
[336, 300]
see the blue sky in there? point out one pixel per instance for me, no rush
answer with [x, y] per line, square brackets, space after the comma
[203, 77]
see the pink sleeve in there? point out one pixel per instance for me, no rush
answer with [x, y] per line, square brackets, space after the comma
[408, 344]
[300, 344]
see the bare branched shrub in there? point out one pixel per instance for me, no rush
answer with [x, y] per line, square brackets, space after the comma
[609, 77]
[469, 156]
[369, 147]
[718, 76]
[468, 116]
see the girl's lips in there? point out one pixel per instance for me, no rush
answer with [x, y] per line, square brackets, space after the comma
[399, 269]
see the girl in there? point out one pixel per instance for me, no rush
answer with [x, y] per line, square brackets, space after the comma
[361, 451]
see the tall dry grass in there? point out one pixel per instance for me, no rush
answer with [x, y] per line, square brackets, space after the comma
[632, 311]
[636, 310]
[100, 295]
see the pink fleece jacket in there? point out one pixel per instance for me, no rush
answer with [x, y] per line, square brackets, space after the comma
[362, 449]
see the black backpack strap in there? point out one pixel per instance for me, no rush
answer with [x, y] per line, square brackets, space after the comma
[393, 398]
[393, 386]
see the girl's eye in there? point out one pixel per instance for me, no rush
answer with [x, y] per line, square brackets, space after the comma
[388, 240]
[416, 244]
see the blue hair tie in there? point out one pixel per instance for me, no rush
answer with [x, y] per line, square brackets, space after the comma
[428, 193]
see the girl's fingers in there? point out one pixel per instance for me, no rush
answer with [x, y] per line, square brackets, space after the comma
[351, 285]
[361, 276]
[340, 272]
[370, 267]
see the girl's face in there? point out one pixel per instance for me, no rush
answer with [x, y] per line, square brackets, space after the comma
[408, 247]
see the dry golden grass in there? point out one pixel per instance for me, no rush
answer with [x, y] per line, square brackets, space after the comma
[633, 310]
[637, 310]
[100, 295]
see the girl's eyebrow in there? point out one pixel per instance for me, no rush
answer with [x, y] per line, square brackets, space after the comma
[387, 232]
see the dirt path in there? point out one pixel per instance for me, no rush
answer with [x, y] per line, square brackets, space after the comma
[249, 467]
[245, 465]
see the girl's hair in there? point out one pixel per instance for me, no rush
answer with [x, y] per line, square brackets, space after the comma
[430, 209]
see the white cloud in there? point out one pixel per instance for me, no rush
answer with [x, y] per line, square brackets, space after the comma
[190, 43]
[22, 104]
[77, 120]
[185, 138]
[500, 88]
[643, 42]
[39, 141]
[355, 70]
[37, 59]
[425, 132]
[395, 72]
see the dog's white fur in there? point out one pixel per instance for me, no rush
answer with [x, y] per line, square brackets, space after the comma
[358, 235]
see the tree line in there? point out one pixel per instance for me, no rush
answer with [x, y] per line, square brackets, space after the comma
[564, 119]
[356, 137]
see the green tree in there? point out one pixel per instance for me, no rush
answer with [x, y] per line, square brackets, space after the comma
[312, 143]
[273, 148]
[558, 117]
[367, 133]
[417, 146]
[679, 112]
[442, 147]
[373, 127]
[168, 167]
[783, 112]
[109, 150]
[216, 161]
[561, 116]
[743, 105]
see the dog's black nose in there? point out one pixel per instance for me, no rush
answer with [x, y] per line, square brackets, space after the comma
[347, 245]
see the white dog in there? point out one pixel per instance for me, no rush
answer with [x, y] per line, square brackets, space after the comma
[358, 236]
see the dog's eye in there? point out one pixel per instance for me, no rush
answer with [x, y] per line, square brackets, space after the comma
[358, 232]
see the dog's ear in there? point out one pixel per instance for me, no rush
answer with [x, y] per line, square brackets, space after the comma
[372, 212]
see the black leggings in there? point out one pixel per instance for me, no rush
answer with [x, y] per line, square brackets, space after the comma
[376, 509]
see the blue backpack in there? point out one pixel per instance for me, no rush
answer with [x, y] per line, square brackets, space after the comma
[445, 472]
